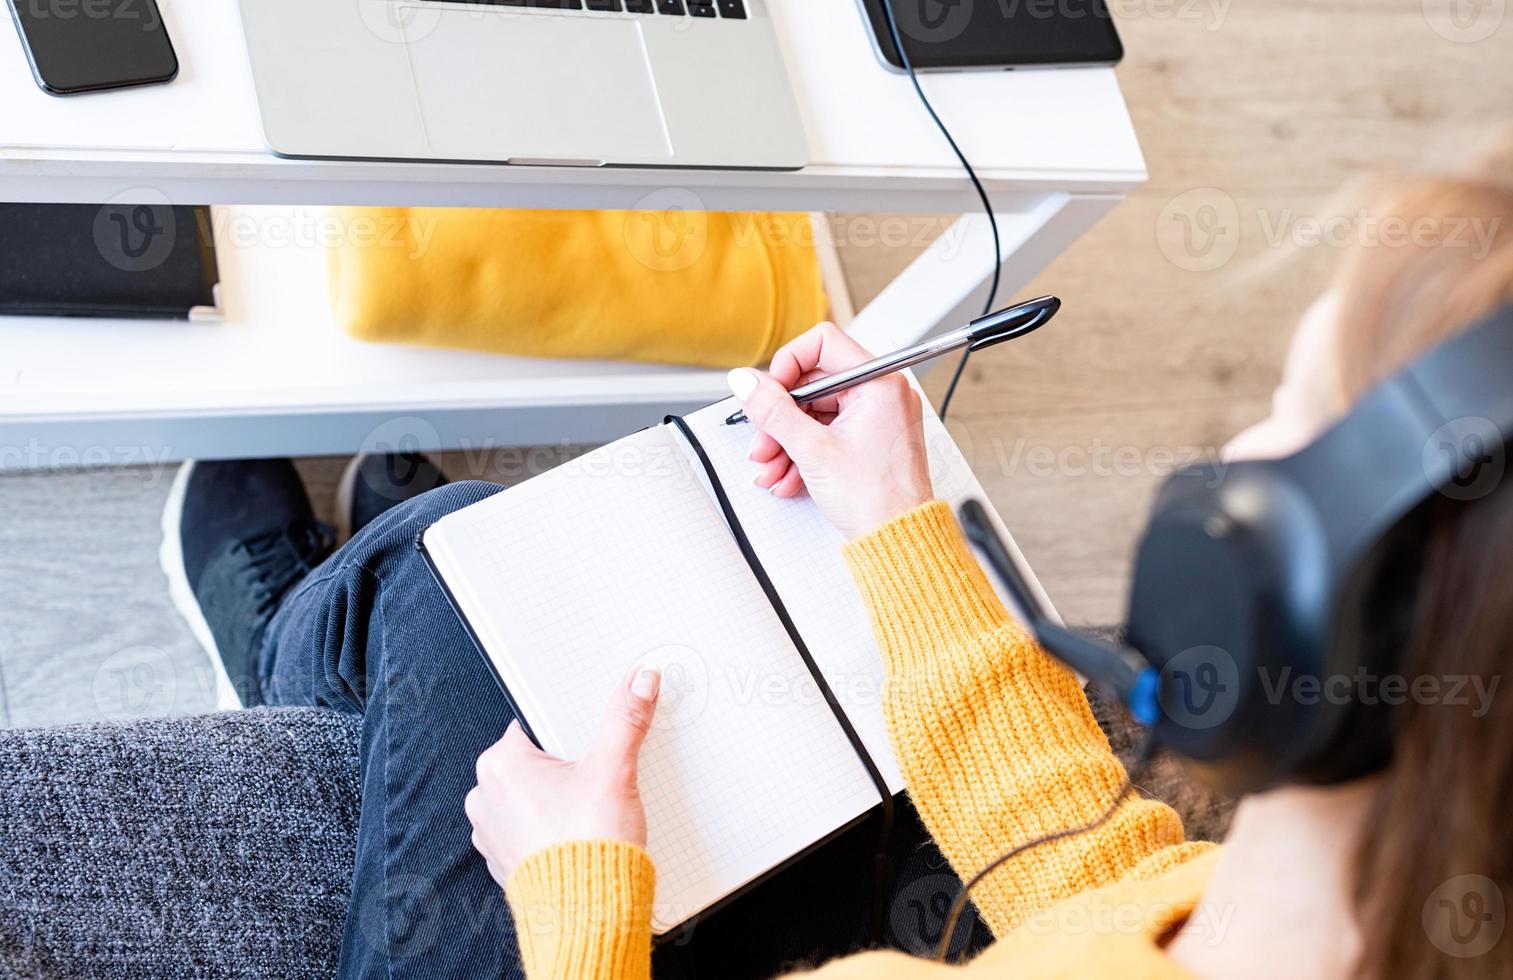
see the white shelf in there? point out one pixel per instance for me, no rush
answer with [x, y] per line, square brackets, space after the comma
[1056, 150]
[198, 139]
[278, 358]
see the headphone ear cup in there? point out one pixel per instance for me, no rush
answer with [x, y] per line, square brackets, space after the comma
[1188, 619]
[1375, 609]
[1217, 608]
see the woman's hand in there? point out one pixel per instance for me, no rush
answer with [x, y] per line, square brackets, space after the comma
[526, 800]
[860, 454]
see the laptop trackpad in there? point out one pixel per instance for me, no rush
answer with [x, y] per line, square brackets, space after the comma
[497, 85]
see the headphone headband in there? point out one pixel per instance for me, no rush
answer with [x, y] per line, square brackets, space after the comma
[1432, 426]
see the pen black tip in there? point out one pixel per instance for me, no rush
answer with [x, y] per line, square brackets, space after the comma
[736, 419]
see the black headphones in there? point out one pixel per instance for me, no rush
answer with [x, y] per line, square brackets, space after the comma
[1270, 598]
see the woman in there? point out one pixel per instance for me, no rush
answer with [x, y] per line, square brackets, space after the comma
[999, 747]
[996, 740]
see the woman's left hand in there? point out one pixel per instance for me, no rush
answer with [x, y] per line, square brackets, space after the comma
[526, 800]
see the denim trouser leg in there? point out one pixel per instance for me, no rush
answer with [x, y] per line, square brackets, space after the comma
[369, 632]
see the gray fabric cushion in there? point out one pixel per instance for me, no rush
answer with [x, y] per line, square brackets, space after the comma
[215, 846]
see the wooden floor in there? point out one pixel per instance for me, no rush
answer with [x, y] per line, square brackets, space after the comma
[1251, 115]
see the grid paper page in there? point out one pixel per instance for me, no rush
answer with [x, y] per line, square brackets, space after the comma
[619, 559]
[801, 552]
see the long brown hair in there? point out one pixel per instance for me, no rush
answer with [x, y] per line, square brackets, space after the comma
[1434, 873]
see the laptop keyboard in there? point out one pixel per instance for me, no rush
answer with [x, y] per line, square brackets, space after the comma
[728, 9]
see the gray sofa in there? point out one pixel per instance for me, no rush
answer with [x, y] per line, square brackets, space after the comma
[220, 845]
[213, 846]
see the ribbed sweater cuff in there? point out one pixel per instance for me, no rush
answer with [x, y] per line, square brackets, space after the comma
[583, 909]
[921, 584]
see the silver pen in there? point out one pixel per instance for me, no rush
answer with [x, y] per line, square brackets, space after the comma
[985, 331]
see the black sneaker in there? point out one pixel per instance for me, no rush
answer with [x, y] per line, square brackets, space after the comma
[237, 535]
[373, 483]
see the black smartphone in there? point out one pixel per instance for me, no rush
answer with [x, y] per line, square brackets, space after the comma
[90, 45]
[959, 35]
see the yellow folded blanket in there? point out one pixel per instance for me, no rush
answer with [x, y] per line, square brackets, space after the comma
[686, 287]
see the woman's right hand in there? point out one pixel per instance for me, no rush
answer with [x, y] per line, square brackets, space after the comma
[860, 454]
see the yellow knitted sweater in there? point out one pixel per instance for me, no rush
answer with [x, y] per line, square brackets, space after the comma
[998, 746]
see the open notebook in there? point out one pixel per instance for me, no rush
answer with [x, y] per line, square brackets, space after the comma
[623, 557]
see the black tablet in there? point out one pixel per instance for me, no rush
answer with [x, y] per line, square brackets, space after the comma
[153, 261]
[959, 35]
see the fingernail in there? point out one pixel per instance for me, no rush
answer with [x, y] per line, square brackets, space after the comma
[646, 683]
[742, 381]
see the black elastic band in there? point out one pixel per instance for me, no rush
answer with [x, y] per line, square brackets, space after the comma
[880, 868]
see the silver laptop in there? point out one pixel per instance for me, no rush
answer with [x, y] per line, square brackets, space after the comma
[647, 83]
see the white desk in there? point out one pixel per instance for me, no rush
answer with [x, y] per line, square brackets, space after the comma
[1055, 148]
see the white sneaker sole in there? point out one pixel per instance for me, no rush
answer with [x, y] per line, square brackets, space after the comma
[171, 557]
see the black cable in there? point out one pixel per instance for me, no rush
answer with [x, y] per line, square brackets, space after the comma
[1142, 758]
[987, 205]
[961, 367]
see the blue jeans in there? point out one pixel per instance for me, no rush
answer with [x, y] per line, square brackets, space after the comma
[369, 632]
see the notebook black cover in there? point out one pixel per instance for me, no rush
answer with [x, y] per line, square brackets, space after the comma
[680, 933]
[113, 260]
[888, 802]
